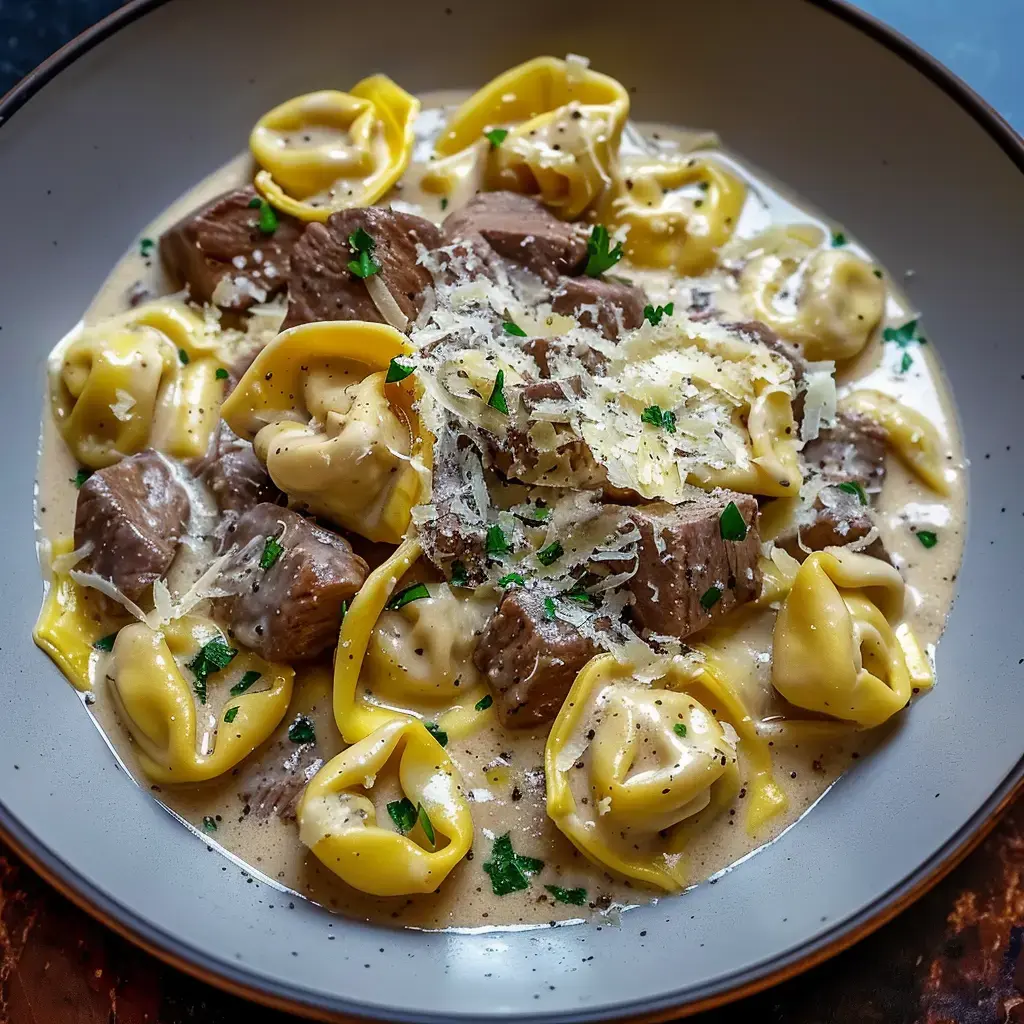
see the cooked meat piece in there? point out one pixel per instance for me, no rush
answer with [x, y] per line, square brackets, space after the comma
[700, 301]
[466, 261]
[292, 610]
[521, 230]
[134, 513]
[851, 451]
[755, 330]
[545, 350]
[237, 479]
[836, 519]
[688, 575]
[275, 785]
[321, 287]
[530, 661]
[604, 304]
[222, 255]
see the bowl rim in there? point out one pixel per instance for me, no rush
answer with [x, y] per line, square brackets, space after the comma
[242, 982]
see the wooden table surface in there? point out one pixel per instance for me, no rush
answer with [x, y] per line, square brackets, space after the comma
[952, 958]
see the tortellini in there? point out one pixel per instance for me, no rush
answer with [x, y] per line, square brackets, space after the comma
[829, 301]
[633, 770]
[144, 379]
[176, 740]
[333, 435]
[563, 124]
[834, 651]
[911, 435]
[678, 212]
[327, 151]
[361, 841]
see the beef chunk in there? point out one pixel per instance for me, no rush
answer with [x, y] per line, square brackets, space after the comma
[134, 513]
[234, 475]
[276, 787]
[836, 518]
[544, 351]
[683, 560]
[291, 611]
[521, 230]
[321, 287]
[530, 661]
[604, 304]
[222, 255]
[851, 451]
[757, 331]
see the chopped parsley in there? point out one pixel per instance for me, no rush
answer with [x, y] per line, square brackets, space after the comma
[362, 245]
[574, 897]
[509, 578]
[927, 538]
[344, 611]
[183, 356]
[254, 202]
[509, 872]
[852, 487]
[146, 247]
[496, 136]
[710, 598]
[105, 643]
[397, 372]
[268, 221]
[679, 729]
[81, 476]
[403, 814]
[541, 512]
[245, 682]
[460, 577]
[413, 592]
[654, 415]
[904, 335]
[497, 399]
[906, 362]
[209, 824]
[877, 272]
[653, 314]
[549, 608]
[838, 239]
[361, 240]
[484, 703]
[497, 542]
[213, 656]
[551, 553]
[599, 256]
[731, 524]
[272, 551]
[221, 373]
[426, 824]
[437, 732]
[229, 715]
[579, 595]
[514, 329]
[302, 730]
[444, 202]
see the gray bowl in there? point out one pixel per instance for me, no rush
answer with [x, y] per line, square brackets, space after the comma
[842, 110]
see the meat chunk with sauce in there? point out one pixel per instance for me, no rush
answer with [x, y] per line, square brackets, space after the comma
[321, 286]
[602, 304]
[850, 451]
[529, 659]
[134, 515]
[290, 611]
[275, 785]
[688, 575]
[521, 230]
[546, 352]
[235, 477]
[223, 257]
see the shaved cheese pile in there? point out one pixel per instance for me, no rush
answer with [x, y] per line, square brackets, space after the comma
[819, 400]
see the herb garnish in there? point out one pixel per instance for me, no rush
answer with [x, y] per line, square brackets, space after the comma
[245, 682]
[209, 824]
[927, 538]
[397, 372]
[437, 732]
[512, 577]
[444, 202]
[838, 239]
[362, 245]
[514, 329]
[731, 524]
[425, 824]
[906, 362]
[904, 335]
[81, 476]
[549, 608]
[268, 215]
[146, 247]
[653, 414]
[105, 643]
[213, 656]
[496, 136]
[460, 576]
[413, 592]
[221, 373]
[508, 870]
[710, 598]
[272, 551]
[551, 553]
[853, 487]
[679, 729]
[653, 314]
[600, 257]
[877, 272]
[497, 543]
[229, 715]
[403, 814]
[497, 399]
[302, 730]
[575, 897]
[483, 703]
[183, 356]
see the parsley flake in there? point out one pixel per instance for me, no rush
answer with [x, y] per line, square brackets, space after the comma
[146, 247]
[302, 730]
[268, 221]
[549, 608]
[510, 872]
[600, 257]
[362, 241]
[460, 575]
[221, 373]
[654, 415]
[710, 598]
[496, 136]
[679, 729]
[403, 814]
[229, 715]
[105, 643]
[245, 682]
[426, 824]
[183, 356]
[574, 897]
[877, 273]
[444, 202]
[927, 538]
[413, 592]
[213, 656]
[514, 329]
[551, 553]
[397, 372]
[838, 239]
[272, 551]
[255, 202]
[654, 314]
[906, 362]
[484, 703]
[497, 542]
[209, 824]
[81, 476]
[903, 335]
[437, 732]
[364, 266]
[852, 487]
[509, 578]
[731, 524]
[497, 399]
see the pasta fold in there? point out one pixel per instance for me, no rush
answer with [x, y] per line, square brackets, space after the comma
[338, 820]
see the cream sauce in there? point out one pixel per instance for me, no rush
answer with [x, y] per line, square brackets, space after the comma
[502, 769]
